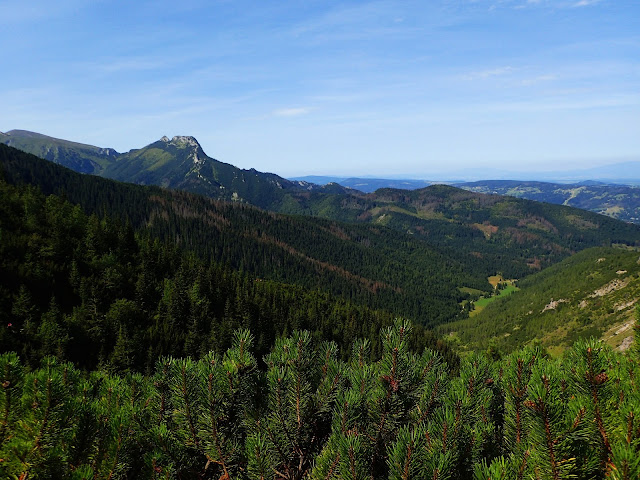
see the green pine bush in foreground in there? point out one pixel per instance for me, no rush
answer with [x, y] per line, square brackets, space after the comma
[311, 415]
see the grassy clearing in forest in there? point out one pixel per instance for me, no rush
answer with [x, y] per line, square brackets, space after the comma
[479, 304]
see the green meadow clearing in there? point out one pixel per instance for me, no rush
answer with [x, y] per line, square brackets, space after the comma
[481, 303]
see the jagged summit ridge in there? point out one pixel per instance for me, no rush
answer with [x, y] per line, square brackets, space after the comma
[177, 162]
[186, 141]
[182, 140]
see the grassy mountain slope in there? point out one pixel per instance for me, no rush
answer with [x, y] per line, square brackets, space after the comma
[181, 164]
[508, 235]
[491, 233]
[366, 264]
[592, 293]
[617, 201]
[76, 156]
[178, 163]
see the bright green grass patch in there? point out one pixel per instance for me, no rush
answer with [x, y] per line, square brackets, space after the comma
[483, 302]
[156, 158]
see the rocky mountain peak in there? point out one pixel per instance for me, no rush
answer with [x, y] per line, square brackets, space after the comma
[180, 140]
[110, 152]
[190, 146]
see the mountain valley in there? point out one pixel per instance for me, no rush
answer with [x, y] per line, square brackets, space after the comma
[593, 293]
[387, 249]
[154, 293]
[466, 225]
[617, 201]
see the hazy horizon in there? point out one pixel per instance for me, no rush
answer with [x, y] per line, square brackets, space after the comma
[613, 170]
[334, 87]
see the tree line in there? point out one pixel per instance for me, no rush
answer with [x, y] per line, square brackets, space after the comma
[366, 265]
[93, 291]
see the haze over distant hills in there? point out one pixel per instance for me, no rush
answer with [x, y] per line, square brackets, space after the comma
[621, 201]
[614, 200]
[622, 173]
[617, 201]
[366, 184]
[468, 225]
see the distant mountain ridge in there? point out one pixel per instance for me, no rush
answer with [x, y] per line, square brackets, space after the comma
[617, 201]
[367, 185]
[611, 199]
[178, 163]
[76, 156]
[491, 232]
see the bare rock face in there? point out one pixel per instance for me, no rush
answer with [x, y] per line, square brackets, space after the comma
[613, 285]
[184, 141]
[626, 343]
[109, 152]
[553, 304]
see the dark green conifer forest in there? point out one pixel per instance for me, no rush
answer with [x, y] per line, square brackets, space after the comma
[127, 354]
[362, 264]
[308, 414]
[92, 291]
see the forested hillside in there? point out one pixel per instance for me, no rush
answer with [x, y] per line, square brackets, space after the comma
[514, 236]
[90, 290]
[488, 232]
[368, 265]
[617, 201]
[591, 294]
[161, 386]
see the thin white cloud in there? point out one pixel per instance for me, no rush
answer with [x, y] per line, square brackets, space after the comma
[492, 72]
[526, 82]
[291, 112]
[567, 104]
[586, 3]
[359, 21]
[553, 4]
[130, 64]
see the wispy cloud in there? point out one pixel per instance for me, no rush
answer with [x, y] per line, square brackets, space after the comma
[291, 112]
[554, 4]
[586, 3]
[130, 64]
[366, 20]
[526, 82]
[492, 72]
[565, 104]
[384, 78]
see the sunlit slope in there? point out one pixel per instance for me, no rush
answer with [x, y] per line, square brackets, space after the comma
[76, 156]
[365, 264]
[617, 201]
[487, 233]
[592, 293]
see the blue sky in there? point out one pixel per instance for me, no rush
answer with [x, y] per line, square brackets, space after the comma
[415, 88]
